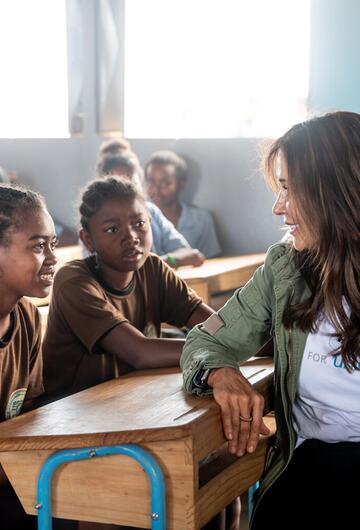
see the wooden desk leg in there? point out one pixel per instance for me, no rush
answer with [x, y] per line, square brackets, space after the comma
[148, 463]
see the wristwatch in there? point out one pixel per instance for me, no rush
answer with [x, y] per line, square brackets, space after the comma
[200, 379]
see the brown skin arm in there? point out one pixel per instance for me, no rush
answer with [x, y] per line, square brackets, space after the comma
[186, 256]
[236, 397]
[132, 347]
[201, 313]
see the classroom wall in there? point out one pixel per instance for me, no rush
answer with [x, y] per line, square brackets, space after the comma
[335, 56]
[225, 176]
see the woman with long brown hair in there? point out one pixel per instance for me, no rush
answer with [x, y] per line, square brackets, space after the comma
[307, 297]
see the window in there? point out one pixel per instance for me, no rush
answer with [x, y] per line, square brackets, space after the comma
[213, 69]
[33, 58]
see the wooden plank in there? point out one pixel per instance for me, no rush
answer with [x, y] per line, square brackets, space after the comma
[119, 411]
[236, 475]
[114, 489]
[149, 405]
[201, 287]
[224, 274]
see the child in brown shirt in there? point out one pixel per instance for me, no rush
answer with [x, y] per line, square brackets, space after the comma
[27, 260]
[106, 310]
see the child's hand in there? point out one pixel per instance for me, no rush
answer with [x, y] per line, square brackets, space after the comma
[188, 256]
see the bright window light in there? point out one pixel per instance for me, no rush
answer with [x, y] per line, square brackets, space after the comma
[33, 58]
[215, 69]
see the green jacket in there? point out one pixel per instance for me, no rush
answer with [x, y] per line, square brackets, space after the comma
[251, 316]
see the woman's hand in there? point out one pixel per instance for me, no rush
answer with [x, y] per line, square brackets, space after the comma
[241, 409]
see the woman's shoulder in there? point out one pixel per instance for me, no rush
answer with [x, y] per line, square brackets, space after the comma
[278, 250]
[280, 258]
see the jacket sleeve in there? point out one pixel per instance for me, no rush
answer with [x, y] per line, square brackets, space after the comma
[236, 332]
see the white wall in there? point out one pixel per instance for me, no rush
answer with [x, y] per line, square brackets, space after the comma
[225, 172]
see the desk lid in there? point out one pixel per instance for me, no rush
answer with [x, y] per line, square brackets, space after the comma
[143, 407]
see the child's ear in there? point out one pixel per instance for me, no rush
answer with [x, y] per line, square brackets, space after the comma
[86, 240]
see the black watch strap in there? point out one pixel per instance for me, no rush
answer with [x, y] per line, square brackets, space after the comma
[200, 379]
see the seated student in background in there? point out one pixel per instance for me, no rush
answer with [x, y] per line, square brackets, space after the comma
[165, 176]
[115, 146]
[167, 241]
[106, 310]
[27, 261]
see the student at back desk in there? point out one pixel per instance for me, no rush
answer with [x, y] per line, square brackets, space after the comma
[165, 176]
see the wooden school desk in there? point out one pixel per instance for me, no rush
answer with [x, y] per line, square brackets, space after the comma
[150, 408]
[219, 275]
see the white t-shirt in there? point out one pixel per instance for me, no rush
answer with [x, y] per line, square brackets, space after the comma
[327, 403]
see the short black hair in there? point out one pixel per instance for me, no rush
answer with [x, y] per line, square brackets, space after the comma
[113, 146]
[126, 160]
[165, 158]
[100, 190]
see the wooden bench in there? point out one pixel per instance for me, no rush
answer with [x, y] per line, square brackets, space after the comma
[220, 275]
[150, 408]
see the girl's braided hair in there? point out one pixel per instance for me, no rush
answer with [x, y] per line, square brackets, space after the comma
[15, 203]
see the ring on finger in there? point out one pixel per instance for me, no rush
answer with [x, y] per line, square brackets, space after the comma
[246, 419]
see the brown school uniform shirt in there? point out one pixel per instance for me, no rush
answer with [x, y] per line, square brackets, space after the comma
[20, 361]
[83, 309]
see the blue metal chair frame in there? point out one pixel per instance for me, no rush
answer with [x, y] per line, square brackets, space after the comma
[148, 463]
[251, 492]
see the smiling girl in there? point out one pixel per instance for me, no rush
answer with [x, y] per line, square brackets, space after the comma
[27, 260]
[106, 310]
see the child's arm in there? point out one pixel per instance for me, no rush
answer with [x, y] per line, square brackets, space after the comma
[132, 347]
[201, 313]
